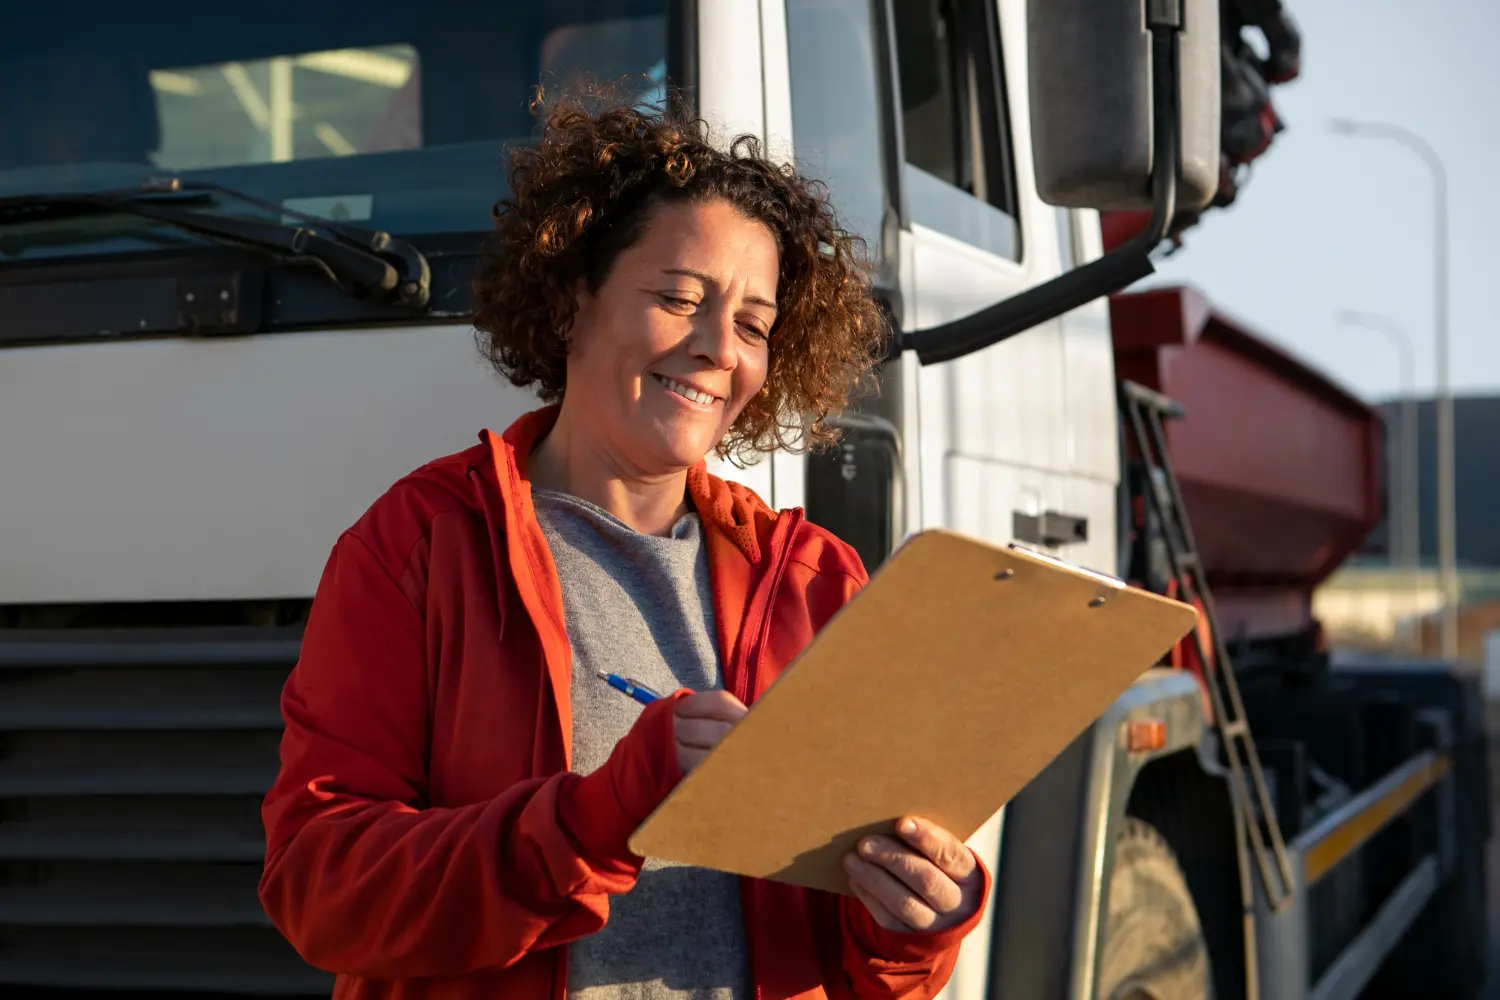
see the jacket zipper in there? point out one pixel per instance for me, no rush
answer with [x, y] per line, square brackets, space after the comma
[749, 675]
[752, 672]
[778, 570]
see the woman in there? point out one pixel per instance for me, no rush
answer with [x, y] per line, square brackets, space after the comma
[457, 783]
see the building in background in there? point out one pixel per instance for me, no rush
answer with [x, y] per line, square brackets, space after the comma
[1371, 604]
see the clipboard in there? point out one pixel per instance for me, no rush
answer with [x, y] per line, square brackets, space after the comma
[948, 683]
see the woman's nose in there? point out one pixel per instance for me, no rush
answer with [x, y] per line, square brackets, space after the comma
[714, 339]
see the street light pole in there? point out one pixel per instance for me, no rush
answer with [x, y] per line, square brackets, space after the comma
[1406, 547]
[1446, 512]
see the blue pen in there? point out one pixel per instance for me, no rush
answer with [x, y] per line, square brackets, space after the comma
[639, 692]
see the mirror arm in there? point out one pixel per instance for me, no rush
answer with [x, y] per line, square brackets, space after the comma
[1123, 266]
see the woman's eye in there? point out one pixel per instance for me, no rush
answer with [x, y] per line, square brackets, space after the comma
[679, 303]
[753, 330]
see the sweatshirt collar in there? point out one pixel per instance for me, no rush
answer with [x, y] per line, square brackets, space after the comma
[733, 510]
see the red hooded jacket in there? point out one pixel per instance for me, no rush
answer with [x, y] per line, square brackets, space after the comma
[425, 837]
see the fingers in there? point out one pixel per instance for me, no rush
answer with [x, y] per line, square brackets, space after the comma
[711, 705]
[927, 880]
[942, 848]
[689, 758]
[917, 874]
[882, 916]
[702, 721]
[872, 883]
[704, 734]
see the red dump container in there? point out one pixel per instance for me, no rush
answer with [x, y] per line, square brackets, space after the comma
[1279, 466]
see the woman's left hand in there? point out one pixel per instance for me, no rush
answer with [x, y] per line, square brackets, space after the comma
[926, 881]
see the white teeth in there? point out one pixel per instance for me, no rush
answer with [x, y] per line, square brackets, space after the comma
[687, 392]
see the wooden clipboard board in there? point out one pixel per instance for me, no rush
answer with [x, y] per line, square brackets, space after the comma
[946, 685]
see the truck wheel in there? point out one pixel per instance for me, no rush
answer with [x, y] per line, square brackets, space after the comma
[1153, 944]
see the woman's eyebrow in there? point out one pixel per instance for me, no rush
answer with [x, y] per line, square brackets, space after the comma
[708, 279]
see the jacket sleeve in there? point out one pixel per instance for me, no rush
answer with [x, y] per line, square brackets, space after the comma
[885, 965]
[361, 877]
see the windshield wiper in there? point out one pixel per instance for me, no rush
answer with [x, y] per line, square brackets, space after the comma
[362, 261]
[414, 278]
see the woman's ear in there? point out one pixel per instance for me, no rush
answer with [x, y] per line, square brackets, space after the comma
[565, 317]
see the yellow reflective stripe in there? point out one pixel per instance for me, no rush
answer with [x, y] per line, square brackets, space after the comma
[1347, 838]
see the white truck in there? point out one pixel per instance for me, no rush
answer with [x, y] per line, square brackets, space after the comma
[235, 248]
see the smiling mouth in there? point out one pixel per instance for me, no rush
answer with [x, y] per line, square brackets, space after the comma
[687, 392]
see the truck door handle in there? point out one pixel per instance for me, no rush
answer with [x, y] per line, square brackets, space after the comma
[1049, 528]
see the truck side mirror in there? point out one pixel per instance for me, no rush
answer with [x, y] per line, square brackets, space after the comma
[1093, 66]
[1124, 114]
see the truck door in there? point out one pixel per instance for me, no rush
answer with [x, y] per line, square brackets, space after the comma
[903, 109]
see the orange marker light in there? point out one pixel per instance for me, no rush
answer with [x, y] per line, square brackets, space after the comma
[1145, 734]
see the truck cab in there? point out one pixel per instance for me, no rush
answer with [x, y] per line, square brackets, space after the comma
[187, 374]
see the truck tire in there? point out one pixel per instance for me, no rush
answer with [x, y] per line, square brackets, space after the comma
[1153, 946]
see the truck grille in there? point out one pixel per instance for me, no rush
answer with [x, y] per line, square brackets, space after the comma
[132, 764]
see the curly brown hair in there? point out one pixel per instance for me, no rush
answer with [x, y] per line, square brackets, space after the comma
[584, 192]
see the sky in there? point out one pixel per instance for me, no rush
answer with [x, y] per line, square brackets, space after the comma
[1326, 222]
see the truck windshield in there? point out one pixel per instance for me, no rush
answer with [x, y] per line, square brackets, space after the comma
[392, 115]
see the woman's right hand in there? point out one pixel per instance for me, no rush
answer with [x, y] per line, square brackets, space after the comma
[703, 719]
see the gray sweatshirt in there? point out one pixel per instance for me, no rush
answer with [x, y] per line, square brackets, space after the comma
[640, 606]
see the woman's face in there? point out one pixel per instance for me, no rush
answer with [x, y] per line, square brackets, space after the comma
[666, 354]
